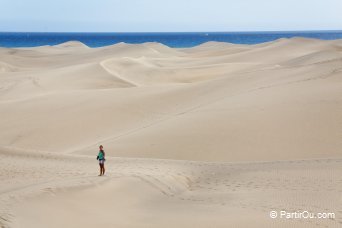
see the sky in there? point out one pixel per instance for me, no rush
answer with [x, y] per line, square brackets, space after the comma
[169, 16]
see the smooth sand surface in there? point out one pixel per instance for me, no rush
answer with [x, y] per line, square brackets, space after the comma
[216, 135]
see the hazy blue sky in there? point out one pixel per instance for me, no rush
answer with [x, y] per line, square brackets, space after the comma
[173, 15]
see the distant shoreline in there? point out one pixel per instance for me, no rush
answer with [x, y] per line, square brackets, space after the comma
[171, 39]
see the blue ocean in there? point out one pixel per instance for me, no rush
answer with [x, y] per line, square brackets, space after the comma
[178, 40]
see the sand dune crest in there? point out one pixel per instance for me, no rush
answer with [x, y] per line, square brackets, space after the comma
[215, 135]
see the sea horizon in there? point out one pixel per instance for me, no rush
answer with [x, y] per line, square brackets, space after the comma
[171, 39]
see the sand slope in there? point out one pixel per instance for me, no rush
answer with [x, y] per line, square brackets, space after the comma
[204, 103]
[51, 190]
[258, 128]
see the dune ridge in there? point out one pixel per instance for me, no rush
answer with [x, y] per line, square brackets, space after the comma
[197, 136]
[169, 95]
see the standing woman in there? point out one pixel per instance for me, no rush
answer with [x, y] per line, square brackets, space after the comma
[101, 158]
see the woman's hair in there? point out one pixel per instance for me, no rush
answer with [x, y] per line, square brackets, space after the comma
[101, 148]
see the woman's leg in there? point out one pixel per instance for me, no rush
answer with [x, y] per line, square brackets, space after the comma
[104, 170]
[100, 169]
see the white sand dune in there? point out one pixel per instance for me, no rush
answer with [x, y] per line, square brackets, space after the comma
[216, 135]
[315, 58]
[52, 190]
[71, 44]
